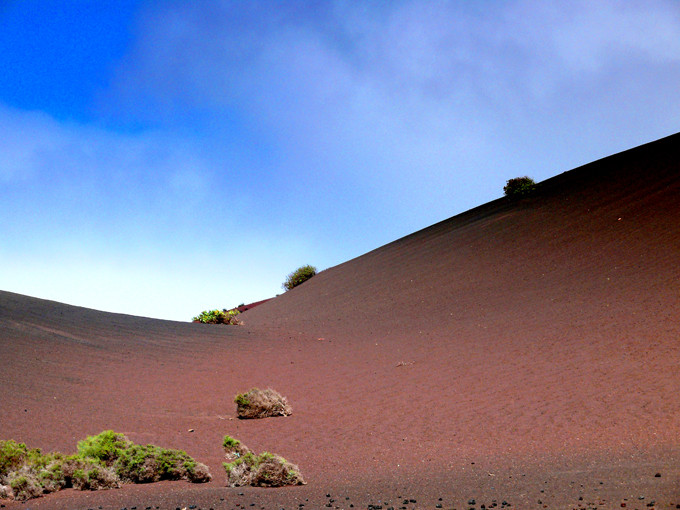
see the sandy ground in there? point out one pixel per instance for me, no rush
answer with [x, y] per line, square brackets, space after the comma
[523, 353]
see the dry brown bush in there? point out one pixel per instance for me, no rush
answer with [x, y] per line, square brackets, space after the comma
[200, 474]
[263, 470]
[258, 403]
[275, 471]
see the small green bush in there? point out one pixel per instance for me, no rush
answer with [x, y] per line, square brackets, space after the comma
[12, 455]
[519, 187]
[299, 276]
[263, 470]
[105, 447]
[218, 317]
[230, 443]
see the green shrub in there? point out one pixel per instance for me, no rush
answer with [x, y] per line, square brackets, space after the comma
[52, 477]
[263, 470]
[103, 461]
[149, 463]
[218, 317]
[230, 443]
[105, 447]
[137, 464]
[519, 187]
[234, 449]
[12, 455]
[258, 403]
[299, 276]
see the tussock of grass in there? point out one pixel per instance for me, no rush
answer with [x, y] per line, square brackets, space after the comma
[263, 470]
[234, 449]
[104, 461]
[258, 403]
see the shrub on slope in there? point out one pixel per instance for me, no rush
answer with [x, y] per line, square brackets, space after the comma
[299, 276]
[257, 403]
[218, 317]
[519, 187]
[243, 467]
[104, 461]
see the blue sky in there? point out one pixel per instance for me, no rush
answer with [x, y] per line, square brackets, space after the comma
[162, 158]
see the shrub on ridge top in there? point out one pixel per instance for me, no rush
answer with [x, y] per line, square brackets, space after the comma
[218, 317]
[519, 187]
[299, 276]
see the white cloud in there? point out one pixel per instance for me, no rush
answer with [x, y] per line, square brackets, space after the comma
[597, 33]
[26, 141]
[98, 170]
[360, 122]
[396, 74]
[145, 224]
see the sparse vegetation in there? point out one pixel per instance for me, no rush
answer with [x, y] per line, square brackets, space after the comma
[263, 470]
[219, 317]
[519, 187]
[258, 403]
[104, 461]
[299, 276]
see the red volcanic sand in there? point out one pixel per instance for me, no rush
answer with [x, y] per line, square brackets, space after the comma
[522, 351]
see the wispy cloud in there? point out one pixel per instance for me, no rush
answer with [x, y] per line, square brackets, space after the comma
[378, 94]
[270, 134]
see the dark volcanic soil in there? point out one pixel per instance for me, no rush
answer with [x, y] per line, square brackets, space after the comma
[523, 351]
